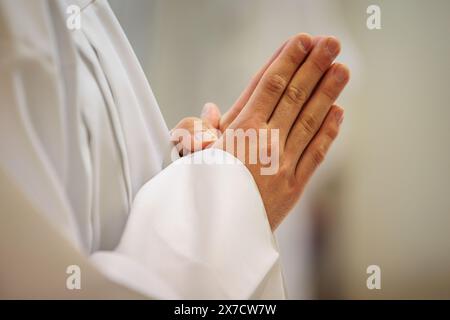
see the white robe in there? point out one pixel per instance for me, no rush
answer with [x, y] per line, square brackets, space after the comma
[84, 178]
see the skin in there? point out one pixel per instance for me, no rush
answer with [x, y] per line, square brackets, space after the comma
[210, 133]
[294, 92]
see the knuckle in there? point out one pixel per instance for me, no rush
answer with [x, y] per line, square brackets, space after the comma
[328, 92]
[296, 95]
[318, 155]
[332, 133]
[318, 65]
[275, 83]
[286, 173]
[293, 56]
[309, 124]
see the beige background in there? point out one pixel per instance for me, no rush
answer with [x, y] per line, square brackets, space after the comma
[383, 196]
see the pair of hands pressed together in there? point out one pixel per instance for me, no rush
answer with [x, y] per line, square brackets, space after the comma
[294, 92]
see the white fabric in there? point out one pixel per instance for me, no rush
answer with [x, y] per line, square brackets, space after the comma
[83, 148]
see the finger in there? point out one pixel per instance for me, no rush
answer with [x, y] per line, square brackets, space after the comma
[211, 114]
[313, 114]
[316, 40]
[193, 134]
[303, 84]
[196, 142]
[203, 139]
[231, 114]
[277, 76]
[319, 146]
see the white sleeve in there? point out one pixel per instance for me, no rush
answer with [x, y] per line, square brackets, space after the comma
[195, 230]
[39, 238]
[35, 254]
[198, 230]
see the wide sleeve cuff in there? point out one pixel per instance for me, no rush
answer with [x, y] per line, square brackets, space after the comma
[198, 230]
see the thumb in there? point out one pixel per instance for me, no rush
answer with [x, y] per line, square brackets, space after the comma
[211, 114]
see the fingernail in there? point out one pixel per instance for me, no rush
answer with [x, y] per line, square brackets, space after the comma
[332, 46]
[205, 136]
[339, 116]
[305, 43]
[209, 136]
[206, 109]
[340, 73]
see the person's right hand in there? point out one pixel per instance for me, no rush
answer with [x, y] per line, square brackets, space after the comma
[294, 94]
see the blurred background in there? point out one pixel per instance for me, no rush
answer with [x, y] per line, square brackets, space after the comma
[383, 195]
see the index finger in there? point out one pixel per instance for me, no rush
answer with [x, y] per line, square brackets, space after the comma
[232, 113]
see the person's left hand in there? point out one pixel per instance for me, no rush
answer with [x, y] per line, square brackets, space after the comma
[199, 133]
